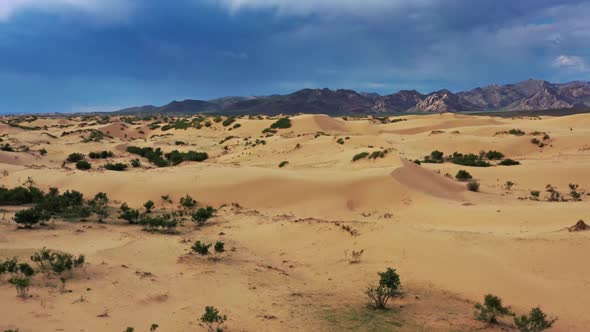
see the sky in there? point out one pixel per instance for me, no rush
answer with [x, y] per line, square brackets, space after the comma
[101, 55]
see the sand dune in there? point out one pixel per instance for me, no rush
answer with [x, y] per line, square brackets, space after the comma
[286, 228]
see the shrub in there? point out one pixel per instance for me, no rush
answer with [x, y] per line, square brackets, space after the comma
[388, 287]
[149, 205]
[201, 248]
[100, 155]
[213, 320]
[188, 202]
[535, 194]
[228, 121]
[6, 147]
[83, 165]
[360, 156]
[435, 157]
[473, 186]
[508, 185]
[43, 152]
[135, 163]
[283, 164]
[99, 205]
[469, 159]
[536, 321]
[22, 285]
[58, 263]
[355, 256]
[28, 217]
[219, 247]
[509, 162]
[203, 214]
[20, 195]
[535, 141]
[516, 132]
[159, 224]
[552, 194]
[75, 157]
[282, 123]
[340, 141]
[463, 175]
[119, 167]
[494, 155]
[129, 214]
[491, 309]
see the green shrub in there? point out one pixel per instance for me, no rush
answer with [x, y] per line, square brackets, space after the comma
[83, 165]
[22, 285]
[388, 287]
[130, 215]
[516, 132]
[494, 155]
[535, 194]
[135, 163]
[43, 152]
[473, 186]
[463, 175]
[536, 321]
[469, 159]
[163, 224]
[149, 205]
[361, 155]
[491, 310]
[20, 195]
[509, 162]
[55, 262]
[203, 214]
[28, 217]
[228, 121]
[282, 123]
[201, 248]
[435, 157]
[340, 141]
[188, 202]
[213, 320]
[219, 247]
[283, 164]
[75, 157]
[119, 167]
[100, 155]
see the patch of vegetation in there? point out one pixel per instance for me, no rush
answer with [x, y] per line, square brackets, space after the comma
[509, 162]
[175, 157]
[213, 319]
[203, 214]
[83, 165]
[20, 195]
[135, 163]
[469, 159]
[132, 216]
[116, 167]
[228, 121]
[75, 157]
[282, 123]
[491, 310]
[340, 140]
[435, 157]
[283, 164]
[201, 248]
[162, 224]
[463, 175]
[536, 321]
[378, 154]
[493, 155]
[182, 124]
[361, 155]
[388, 287]
[473, 186]
[100, 155]
[187, 202]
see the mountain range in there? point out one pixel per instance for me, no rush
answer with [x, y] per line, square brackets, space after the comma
[530, 95]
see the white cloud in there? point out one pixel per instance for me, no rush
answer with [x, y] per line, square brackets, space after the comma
[103, 8]
[306, 7]
[571, 62]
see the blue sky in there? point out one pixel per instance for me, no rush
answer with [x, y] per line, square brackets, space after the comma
[85, 55]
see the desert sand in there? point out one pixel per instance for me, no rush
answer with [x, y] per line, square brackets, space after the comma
[285, 267]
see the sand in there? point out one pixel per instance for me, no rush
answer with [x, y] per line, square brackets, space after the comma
[285, 269]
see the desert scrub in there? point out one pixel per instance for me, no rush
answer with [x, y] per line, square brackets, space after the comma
[435, 157]
[463, 175]
[491, 309]
[100, 155]
[361, 155]
[116, 167]
[473, 186]
[283, 164]
[83, 165]
[509, 162]
[282, 123]
[388, 287]
[75, 157]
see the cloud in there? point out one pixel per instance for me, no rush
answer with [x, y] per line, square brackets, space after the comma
[308, 7]
[104, 8]
[571, 62]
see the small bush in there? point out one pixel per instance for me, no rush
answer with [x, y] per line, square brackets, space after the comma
[516, 132]
[536, 321]
[83, 165]
[219, 247]
[201, 248]
[149, 205]
[535, 194]
[473, 186]
[119, 167]
[28, 217]
[463, 175]
[491, 309]
[188, 202]
[228, 121]
[213, 319]
[75, 157]
[509, 162]
[130, 215]
[388, 287]
[360, 156]
[135, 163]
[282, 123]
[283, 164]
[43, 152]
[203, 214]
[100, 155]
[494, 155]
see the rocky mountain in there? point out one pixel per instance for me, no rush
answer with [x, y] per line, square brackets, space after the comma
[530, 95]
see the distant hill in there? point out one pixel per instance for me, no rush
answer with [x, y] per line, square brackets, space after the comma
[530, 95]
